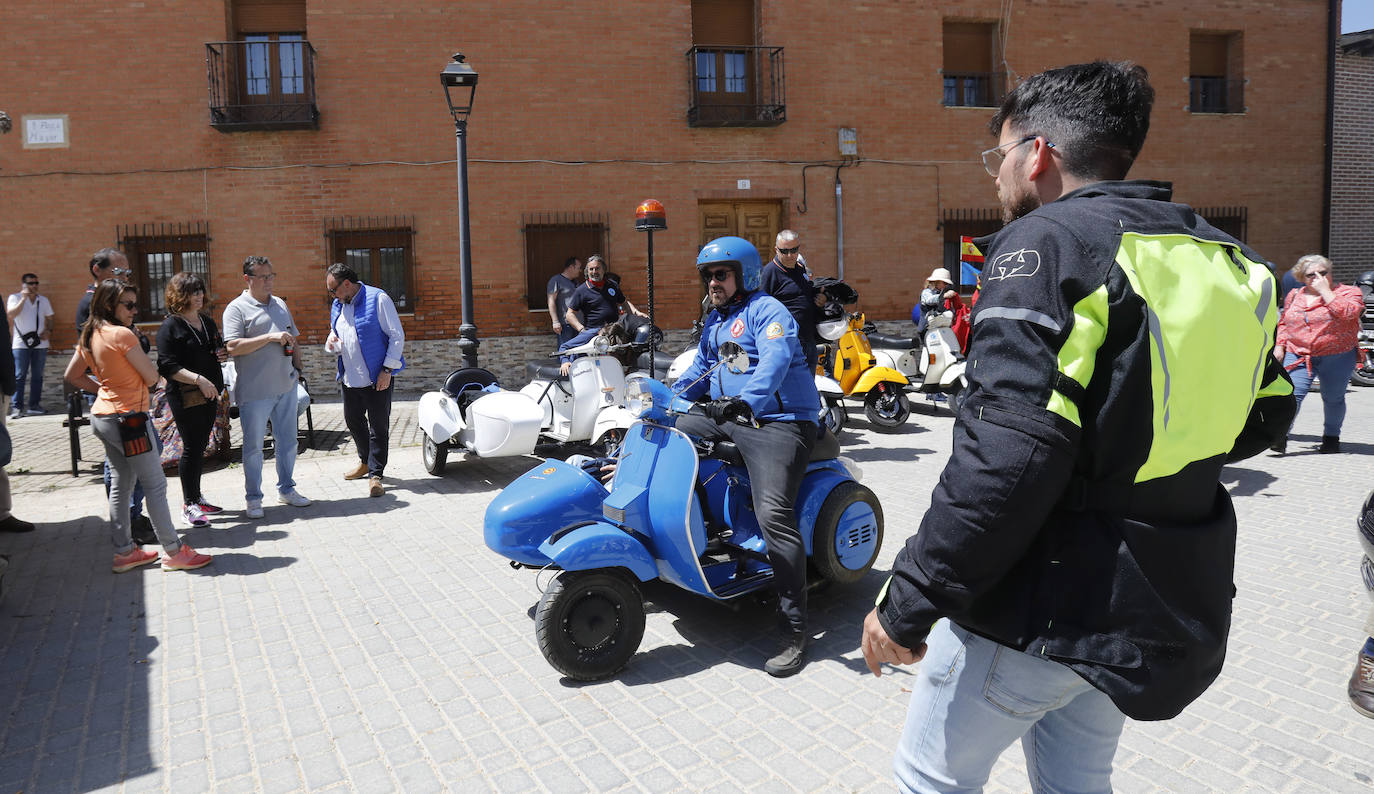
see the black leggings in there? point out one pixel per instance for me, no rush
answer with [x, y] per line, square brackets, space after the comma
[194, 424]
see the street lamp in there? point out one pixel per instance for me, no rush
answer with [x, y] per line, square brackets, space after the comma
[650, 217]
[460, 86]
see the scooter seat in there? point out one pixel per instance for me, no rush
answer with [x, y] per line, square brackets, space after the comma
[661, 363]
[893, 342]
[541, 370]
[827, 447]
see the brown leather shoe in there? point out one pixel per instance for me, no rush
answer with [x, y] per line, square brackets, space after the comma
[358, 473]
[1361, 688]
[374, 486]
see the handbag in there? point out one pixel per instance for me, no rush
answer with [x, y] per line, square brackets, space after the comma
[133, 433]
[31, 339]
[191, 395]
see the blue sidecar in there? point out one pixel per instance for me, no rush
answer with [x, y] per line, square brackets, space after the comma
[678, 510]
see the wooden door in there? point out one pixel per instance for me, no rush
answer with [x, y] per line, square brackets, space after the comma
[756, 221]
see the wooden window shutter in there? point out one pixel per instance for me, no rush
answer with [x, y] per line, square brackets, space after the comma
[269, 16]
[723, 22]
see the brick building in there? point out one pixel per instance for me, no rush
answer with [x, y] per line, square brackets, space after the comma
[195, 133]
[1352, 160]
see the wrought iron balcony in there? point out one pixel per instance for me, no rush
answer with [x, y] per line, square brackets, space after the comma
[736, 87]
[262, 83]
[974, 89]
[1216, 95]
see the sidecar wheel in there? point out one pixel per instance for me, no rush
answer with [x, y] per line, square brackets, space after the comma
[590, 624]
[887, 407]
[435, 455]
[1364, 369]
[955, 395]
[848, 533]
[835, 414]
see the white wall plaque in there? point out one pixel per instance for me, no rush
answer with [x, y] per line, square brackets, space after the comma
[742, 184]
[45, 132]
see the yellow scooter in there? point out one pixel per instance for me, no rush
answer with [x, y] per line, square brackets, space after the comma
[849, 360]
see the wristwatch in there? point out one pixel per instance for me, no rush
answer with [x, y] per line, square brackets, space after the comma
[387, 370]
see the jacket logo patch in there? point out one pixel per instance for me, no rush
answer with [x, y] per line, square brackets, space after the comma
[774, 331]
[737, 328]
[1015, 264]
[611, 292]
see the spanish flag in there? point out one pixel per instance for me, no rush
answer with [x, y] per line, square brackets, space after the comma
[968, 252]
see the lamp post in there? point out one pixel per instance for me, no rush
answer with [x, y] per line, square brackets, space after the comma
[460, 86]
[650, 217]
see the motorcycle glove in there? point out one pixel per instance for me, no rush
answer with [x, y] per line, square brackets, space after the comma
[726, 409]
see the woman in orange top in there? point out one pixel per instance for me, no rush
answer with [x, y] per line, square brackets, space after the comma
[120, 374]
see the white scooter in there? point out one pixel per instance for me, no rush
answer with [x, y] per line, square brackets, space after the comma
[933, 365]
[472, 413]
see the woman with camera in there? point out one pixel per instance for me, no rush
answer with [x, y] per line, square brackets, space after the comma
[120, 374]
[189, 352]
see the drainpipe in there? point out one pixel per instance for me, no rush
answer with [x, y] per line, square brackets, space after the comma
[1333, 33]
[839, 222]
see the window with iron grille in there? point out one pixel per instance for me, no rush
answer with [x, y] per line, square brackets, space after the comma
[958, 223]
[380, 250]
[970, 74]
[1216, 74]
[158, 251]
[1232, 220]
[552, 237]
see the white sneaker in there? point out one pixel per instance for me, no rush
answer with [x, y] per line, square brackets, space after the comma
[193, 516]
[292, 498]
[254, 508]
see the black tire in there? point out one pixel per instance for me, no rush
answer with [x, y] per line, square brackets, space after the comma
[435, 455]
[610, 442]
[589, 624]
[861, 542]
[887, 407]
[955, 395]
[835, 414]
[1364, 369]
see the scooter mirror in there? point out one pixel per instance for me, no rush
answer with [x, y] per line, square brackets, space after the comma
[733, 357]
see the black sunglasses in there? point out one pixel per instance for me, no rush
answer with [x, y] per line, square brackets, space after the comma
[716, 275]
[789, 251]
[31, 283]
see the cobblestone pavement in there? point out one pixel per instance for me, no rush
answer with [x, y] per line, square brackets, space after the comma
[377, 645]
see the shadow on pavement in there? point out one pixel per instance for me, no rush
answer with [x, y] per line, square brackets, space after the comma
[1245, 482]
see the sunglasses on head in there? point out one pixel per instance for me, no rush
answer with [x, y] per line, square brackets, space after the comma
[716, 275]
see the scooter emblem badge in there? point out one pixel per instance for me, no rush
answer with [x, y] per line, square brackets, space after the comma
[549, 470]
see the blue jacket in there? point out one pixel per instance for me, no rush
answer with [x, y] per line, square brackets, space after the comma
[371, 339]
[777, 385]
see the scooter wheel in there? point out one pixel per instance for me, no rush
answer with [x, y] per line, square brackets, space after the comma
[887, 407]
[589, 624]
[955, 395]
[1364, 369]
[848, 533]
[835, 414]
[435, 455]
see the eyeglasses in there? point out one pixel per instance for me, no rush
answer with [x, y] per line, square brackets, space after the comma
[30, 283]
[120, 272]
[992, 158]
[268, 277]
[130, 305]
[789, 251]
[334, 289]
[716, 275]
[1314, 273]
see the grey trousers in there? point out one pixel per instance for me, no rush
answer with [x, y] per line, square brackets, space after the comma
[124, 473]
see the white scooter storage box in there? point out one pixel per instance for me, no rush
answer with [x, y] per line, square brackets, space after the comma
[504, 423]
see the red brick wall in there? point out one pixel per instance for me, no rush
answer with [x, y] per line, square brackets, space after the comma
[1352, 172]
[604, 80]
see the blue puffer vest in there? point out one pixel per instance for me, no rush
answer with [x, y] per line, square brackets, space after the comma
[370, 336]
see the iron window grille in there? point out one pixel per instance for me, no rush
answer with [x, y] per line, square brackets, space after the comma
[974, 89]
[965, 222]
[1216, 95]
[552, 237]
[265, 82]
[381, 250]
[736, 86]
[158, 251]
[1232, 220]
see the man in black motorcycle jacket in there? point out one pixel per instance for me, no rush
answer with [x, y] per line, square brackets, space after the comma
[1079, 541]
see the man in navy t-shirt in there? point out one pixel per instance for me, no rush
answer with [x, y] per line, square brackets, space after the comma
[595, 302]
[787, 279]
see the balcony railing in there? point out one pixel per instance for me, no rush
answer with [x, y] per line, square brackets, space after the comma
[736, 87]
[262, 84]
[974, 89]
[1216, 95]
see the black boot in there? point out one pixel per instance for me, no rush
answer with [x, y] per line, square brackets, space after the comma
[142, 530]
[1330, 444]
[1280, 446]
[1361, 688]
[13, 524]
[791, 655]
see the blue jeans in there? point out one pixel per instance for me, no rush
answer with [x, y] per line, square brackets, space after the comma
[580, 338]
[973, 697]
[253, 418]
[28, 364]
[1334, 374]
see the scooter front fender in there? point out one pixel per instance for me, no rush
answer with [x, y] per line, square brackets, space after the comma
[953, 374]
[599, 545]
[612, 417]
[875, 375]
[437, 415]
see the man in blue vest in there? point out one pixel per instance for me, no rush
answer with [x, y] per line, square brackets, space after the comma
[366, 334]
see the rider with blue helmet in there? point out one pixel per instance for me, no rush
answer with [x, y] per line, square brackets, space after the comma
[776, 391]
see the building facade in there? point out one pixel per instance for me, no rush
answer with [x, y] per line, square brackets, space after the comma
[193, 134]
[1352, 159]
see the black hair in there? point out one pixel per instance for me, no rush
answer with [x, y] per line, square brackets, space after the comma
[252, 262]
[342, 272]
[1096, 114]
[28, 276]
[570, 261]
[101, 259]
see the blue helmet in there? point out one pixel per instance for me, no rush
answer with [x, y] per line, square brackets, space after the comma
[736, 252]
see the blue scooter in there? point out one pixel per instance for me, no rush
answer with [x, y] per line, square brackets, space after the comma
[679, 510]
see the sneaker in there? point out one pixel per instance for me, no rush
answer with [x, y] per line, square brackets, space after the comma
[35, 412]
[141, 529]
[207, 508]
[133, 559]
[1361, 687]
[357, 473]
[791, 655]
[194, 517]
[374, 486]
[186, 559]
[292, 498]
[15, 414]
[13, 524]
[254, 508]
